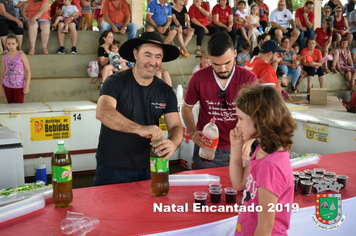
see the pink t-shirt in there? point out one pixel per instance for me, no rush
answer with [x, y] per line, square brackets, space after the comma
[273, 172]
[204, 88]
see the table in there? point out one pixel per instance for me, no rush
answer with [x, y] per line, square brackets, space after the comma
[127, 209]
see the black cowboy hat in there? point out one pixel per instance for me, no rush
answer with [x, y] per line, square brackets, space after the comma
[126, 50]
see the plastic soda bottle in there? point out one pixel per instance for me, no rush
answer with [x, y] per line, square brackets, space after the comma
[211, 140]
[159, 173]
[62, 176]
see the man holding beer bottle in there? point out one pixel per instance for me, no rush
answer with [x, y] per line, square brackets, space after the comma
[129, 107]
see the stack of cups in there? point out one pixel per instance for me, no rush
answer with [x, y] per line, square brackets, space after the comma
[215, 193]
[77, 224]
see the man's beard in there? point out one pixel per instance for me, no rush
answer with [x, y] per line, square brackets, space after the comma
[223, 77]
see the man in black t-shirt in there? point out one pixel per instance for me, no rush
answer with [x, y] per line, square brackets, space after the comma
[129, 107]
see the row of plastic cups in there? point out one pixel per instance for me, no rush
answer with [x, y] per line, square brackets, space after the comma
[77, 224]
[215, 195]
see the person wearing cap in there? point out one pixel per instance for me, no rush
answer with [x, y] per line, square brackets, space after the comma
[204, 61]
[215, 88]
[159, 19]
[265, 64]
[304, 20]
[281, 19]
[117, 17]
[129, 107]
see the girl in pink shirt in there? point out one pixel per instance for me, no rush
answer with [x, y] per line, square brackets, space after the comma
[267, 179]
[13, 79]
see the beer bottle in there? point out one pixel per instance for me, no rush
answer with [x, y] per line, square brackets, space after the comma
[159, 173]
[62, 176]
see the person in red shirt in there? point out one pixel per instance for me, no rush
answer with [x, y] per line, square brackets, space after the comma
[223, 18]
[117, 17]
[199, 14]
[323, 38]
[311, 63]
[304, 20]
[265, 64]
[264, 11]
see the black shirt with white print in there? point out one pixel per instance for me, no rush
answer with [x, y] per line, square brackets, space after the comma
[141, 104]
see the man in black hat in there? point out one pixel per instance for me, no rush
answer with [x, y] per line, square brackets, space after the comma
[129, 107]
[265, 64]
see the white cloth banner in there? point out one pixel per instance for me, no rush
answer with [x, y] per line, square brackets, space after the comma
[301, 224]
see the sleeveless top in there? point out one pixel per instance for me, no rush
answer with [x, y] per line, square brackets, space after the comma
[14, 72]
[339, 25]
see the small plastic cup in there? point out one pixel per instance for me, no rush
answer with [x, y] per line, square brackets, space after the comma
[319, 170]
[306, 186]
[79, 227]
[329, 179]
[74, 215]
[330, 174]
[342, 179]
[71, 226]
[230, 195]
[308, 172]
[297, 173]
[296, 181]
[215, 186]
[304, 177]
[215, 196]
[317, 176]
[200, 197]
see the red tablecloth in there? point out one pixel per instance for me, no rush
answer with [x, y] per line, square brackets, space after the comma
[127, 209]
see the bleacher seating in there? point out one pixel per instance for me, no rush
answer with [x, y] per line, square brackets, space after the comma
[64, 78]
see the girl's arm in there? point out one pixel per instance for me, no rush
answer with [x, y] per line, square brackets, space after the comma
[2, 76]
[266, 219]
[238, 172]
[240, 20]
[26, 64]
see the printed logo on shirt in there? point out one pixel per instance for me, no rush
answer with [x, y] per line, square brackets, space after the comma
[250, 190]
[285, 15]
[159, 105]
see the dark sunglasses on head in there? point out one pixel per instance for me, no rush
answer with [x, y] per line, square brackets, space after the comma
[222, 94]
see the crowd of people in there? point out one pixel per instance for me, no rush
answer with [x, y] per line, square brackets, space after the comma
[172, 19]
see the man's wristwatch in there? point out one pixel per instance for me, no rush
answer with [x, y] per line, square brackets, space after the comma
[199, 8]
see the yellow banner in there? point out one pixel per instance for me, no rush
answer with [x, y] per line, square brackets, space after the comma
[317, 132]
[49, 128]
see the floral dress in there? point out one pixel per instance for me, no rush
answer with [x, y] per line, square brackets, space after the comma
[343, 61]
